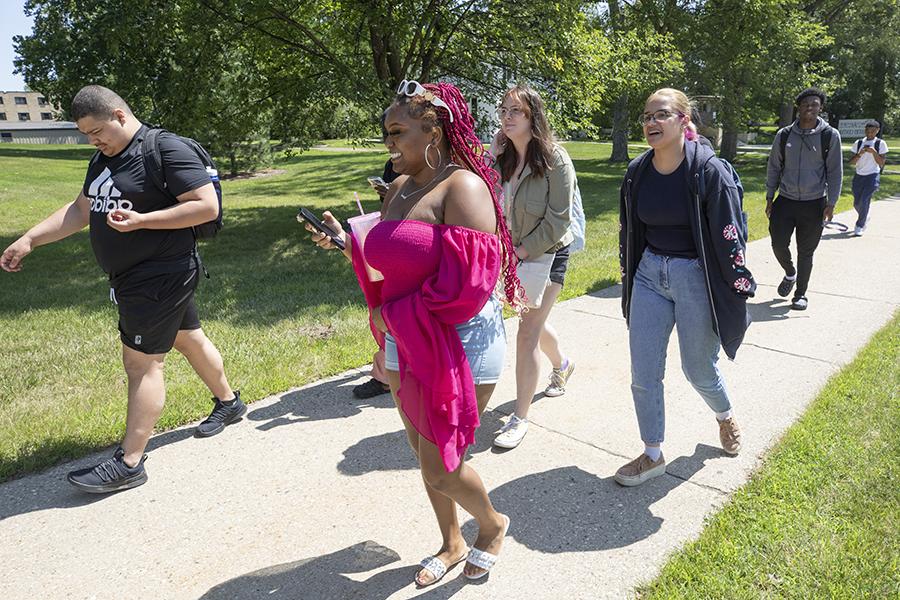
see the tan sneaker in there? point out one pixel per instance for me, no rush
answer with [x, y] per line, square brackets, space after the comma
[640, 470]
[730, 436]
[558, 380]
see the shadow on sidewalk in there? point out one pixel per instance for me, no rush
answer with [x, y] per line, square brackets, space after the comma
[772, 310]
[49, 489]
[322, 577]
[391, 451]
[571, 510]
[332, 399]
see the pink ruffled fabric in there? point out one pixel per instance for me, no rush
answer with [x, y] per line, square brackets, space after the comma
[437, 393]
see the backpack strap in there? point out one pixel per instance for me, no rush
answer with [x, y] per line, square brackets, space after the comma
[825, 136]
[783, 134]
[153, 162]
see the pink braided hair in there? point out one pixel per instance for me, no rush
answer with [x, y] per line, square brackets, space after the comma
[467, 150]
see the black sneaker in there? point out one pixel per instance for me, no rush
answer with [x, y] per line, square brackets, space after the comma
[222, 414]
[785, 287]
[799, 303]
[370, 389]
[112, 475]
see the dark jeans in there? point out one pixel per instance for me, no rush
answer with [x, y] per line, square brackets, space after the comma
[806, 218]
[864, 186]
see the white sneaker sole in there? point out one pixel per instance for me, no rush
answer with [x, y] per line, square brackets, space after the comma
[649, 474]
[508, 444]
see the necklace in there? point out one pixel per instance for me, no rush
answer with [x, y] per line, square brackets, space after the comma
[408, 195]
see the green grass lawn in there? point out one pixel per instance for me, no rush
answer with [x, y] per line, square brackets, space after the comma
[282, 312]
[821, 518]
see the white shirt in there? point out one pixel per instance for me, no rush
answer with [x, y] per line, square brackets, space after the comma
[866, 164]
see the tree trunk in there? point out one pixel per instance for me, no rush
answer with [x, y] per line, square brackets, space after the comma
[233, 158]
[786, 116]
[620, 131]
[875, 107]
[620, 112]
[728, 150]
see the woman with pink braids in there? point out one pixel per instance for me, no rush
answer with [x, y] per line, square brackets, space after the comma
[442, 246]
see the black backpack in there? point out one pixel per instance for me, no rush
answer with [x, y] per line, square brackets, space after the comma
[785, 132]
[154, 167]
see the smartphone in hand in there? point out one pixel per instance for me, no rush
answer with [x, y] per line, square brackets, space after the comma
[307, 215]
[378, 184]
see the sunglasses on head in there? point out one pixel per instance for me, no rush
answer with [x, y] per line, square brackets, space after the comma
[412, 88]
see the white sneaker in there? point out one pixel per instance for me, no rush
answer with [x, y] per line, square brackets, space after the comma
[859, 231]
[512, 433]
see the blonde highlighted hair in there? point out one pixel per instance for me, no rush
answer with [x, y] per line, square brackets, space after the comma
[680, 102]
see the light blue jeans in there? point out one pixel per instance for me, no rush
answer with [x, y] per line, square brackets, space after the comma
[671, 292]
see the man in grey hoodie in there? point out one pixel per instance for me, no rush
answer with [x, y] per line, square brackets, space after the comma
[806, 169]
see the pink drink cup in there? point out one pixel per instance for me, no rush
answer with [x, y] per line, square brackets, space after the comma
[360, 226]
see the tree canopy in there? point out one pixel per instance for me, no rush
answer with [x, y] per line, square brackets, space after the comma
[236, 74]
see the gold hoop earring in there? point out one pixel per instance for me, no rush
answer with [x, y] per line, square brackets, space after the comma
[440, 157]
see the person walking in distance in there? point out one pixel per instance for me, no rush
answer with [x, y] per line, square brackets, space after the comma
[142, 238]
[805, 169]
[868, 156]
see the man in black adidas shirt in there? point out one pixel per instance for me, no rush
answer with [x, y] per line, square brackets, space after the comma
[142, 238]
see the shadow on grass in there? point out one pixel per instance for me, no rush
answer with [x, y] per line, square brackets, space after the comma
[262, 265]
[47, 152]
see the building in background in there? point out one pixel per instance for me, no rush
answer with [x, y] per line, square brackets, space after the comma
[48, 132]
[26, 107]
[27, 117]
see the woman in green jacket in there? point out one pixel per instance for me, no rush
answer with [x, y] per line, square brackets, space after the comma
[538, 186]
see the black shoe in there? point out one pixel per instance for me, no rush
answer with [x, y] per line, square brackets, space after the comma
[222, 414]
[799, 303]
[111, 475]
[785, 287]
[370, 389]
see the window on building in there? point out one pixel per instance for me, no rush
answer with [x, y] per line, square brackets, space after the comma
[21, 100]
[46, 117]
[1, 99]
[6, 136]
[42, 101]
[2, 116]
[24, 117]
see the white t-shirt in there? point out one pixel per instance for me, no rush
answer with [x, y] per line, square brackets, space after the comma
[866, 164]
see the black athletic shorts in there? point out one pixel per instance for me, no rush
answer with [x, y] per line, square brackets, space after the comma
[559, 266]
[154, 307]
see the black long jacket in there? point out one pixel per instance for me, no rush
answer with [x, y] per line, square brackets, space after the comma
[719, 228]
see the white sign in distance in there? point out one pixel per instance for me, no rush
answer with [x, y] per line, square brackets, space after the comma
[852, 129]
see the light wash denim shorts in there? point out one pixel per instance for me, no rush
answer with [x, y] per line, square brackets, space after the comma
[483, 339]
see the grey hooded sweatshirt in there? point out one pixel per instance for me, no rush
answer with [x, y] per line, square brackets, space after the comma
[804, 174]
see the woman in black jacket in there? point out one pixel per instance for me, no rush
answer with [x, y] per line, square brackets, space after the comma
[682, 249]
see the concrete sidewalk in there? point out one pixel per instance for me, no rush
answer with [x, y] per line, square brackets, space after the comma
[316, 495]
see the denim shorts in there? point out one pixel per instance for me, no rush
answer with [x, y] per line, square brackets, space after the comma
[560, 265]
[483, 339]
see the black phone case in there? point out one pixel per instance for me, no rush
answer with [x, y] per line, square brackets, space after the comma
[308, 216]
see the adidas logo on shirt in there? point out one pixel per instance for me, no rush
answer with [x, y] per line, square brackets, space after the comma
[104, 195]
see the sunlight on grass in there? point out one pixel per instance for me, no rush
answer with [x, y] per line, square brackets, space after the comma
[282, 312]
